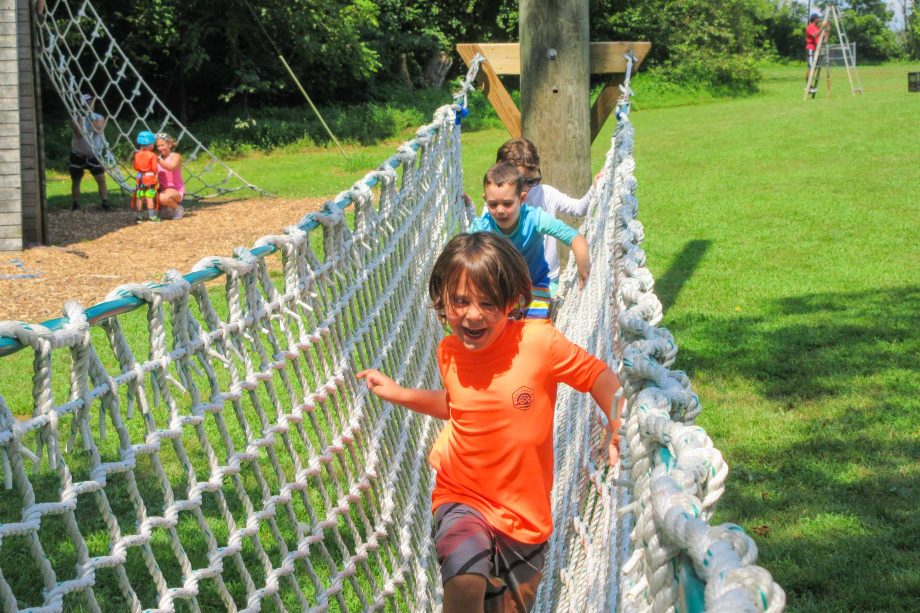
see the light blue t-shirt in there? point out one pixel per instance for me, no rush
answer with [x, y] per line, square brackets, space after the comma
[533, 225]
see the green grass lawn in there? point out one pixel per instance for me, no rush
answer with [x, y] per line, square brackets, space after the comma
[783, 237]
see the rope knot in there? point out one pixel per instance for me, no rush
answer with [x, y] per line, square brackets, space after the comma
[330, 215]
[406, 154]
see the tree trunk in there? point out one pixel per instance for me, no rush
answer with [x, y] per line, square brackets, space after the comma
[183, 100]
[437, 69]
[404, 70]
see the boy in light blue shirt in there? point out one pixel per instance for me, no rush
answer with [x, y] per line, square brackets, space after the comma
[505, 215]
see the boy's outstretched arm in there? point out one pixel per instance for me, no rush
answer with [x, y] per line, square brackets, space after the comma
[604, 392]
[426, 402]
[582, 259]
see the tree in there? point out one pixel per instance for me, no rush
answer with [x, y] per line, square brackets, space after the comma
[912, 28]
[866, 23]
[192, 51]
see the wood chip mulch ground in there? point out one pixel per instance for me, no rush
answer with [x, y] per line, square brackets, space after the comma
[93, 251]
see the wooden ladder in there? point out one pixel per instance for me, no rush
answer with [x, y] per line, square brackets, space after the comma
[814, 73]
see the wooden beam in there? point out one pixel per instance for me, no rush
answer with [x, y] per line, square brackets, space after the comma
[604, 103]
[603, 57]
[494, 90]
[505, 59]
[607, 58]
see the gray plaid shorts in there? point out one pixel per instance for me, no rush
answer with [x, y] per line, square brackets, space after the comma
[467, 544]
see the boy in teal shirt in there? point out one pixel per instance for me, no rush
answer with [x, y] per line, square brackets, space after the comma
[505, 215]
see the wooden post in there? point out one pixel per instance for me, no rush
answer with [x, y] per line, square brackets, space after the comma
[10, 177]
[554, 89]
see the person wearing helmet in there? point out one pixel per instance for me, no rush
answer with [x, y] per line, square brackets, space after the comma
[813, 34]
[145, 190]
[86, 144]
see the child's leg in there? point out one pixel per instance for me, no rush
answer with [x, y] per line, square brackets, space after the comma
[464, 545]
[520, 569]
[464, 594]
[137, 204]
[481, 567]
[151, 206]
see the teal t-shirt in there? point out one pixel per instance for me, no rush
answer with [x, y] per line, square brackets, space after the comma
[533, 225]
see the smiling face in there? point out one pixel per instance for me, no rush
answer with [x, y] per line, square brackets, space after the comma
[504, 204]
[474, 319]
[164, 147]
[477, 281]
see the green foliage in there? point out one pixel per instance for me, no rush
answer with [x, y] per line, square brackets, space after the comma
[196, 52]
[698, 43]
[201, 57]
[784, 31]
[677, 26]
[420, 29]
[719, 74]
[867, 27]
[912, 30]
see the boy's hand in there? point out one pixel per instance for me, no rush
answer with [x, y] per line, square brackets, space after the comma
[582, 259]
[380, 384]
[613, 449]
[583, 273]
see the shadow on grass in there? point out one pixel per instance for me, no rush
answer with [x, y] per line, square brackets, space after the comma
[668, 286]
[808, 347]
[831, 487]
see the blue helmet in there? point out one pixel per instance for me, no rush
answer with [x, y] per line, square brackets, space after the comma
[146, 137]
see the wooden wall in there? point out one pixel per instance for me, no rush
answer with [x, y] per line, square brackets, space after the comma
[10, 177]
[21, 190]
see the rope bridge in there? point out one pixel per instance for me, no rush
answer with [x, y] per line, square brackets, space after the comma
[219, 453]
[80, 57]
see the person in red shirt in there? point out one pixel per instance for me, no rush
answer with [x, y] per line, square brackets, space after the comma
[494, 457]
[813, 33]
[145, 163]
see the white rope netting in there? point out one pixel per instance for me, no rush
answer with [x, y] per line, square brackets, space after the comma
[81, 57]
[249, 469]
[676, 474]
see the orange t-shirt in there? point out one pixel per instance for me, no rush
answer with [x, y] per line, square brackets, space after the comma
[496, 452]
[145, 163]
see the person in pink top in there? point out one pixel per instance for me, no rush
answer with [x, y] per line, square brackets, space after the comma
[172, 187]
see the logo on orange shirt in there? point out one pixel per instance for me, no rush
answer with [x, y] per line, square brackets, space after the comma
[522, 398]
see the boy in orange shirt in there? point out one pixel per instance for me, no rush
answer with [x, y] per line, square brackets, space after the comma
[494, 459]
[145, 163]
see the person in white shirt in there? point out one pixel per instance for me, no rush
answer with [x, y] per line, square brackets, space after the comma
[522, 153]
[88, 139]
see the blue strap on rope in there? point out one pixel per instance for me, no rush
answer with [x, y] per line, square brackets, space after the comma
[462, 112]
